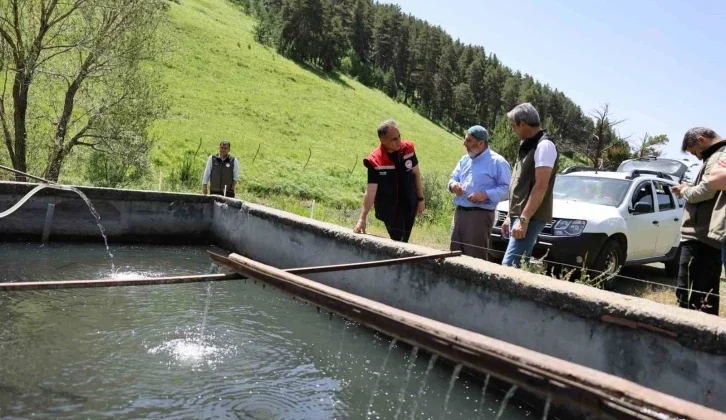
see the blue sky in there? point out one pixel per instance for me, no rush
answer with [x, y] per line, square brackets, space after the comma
[660, 64]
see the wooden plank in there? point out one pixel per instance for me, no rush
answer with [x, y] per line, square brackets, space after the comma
[566, 383]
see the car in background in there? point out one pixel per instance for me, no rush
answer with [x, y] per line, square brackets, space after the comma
[603, 220]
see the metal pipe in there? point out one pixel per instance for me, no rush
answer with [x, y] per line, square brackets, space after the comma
[370, 264]
[567, 383]
[28, 175]
[74, 284]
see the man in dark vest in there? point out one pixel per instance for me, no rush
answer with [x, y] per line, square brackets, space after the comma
[394, 187]
[221, 173]
[699, 273]
[533, 178]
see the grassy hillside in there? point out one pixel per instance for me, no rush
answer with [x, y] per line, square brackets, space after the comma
[223, 85]
[277, 114]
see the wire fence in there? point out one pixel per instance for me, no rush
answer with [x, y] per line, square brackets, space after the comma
[489, 250]
[599, 273]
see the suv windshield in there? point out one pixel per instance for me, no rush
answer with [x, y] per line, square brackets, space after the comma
[594, 190]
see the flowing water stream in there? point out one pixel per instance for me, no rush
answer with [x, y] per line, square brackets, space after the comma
[228, 350]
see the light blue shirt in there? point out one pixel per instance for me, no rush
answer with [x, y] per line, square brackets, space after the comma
[489, 172]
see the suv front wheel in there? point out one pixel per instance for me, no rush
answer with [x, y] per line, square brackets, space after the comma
[609, 261]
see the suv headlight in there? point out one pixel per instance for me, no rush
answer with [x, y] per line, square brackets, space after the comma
[565, 227]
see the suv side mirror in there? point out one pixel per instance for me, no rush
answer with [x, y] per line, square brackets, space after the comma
[641, 208]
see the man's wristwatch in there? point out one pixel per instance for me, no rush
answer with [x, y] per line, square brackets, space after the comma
[523, 220]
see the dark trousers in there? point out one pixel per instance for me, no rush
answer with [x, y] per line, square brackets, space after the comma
[399, 229]
[472, 228]
[699, 276]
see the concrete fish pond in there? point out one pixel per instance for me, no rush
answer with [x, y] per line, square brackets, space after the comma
[430, 337]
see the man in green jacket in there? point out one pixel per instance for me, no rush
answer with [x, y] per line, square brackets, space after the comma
[699, 274]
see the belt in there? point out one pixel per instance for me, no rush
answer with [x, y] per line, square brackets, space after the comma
[472, 208]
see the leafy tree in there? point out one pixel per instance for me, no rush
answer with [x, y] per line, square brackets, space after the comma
[615, 154]
[77, 65]
[463, 106]
[362, 32]
[650, 146]
[504, 141]
[510, 92]
[594, 145]
[390, 87]
[477, 84]
[302, 31]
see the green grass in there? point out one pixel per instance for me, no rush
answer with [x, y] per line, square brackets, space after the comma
[277, 114]
[224, 85]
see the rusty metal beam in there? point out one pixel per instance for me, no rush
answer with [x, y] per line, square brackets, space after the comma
[76, 284]
[566, 383]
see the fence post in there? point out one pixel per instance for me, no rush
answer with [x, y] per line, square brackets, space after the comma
[312, 210]
[48, 222]
[161, 175]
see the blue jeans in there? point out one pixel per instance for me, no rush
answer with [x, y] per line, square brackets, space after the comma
[517, 248]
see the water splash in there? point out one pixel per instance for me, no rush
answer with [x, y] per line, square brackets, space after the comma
[454, 377]
[189, 352]
[185, 351]
[95, 214]
[206, 309]
[98, 222]
[214, 269]
[383, 368]
[432, 361]
[505, 401]
[340, 344]
[402, 396]
[546, 411]
[483, 396]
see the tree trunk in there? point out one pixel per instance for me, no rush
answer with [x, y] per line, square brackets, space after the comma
[55, 164]
[21, 86]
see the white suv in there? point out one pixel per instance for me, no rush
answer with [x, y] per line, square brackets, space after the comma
[611, 219]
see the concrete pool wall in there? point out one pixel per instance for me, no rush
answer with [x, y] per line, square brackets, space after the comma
[668, 349]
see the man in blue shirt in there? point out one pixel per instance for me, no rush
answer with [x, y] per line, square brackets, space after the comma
[479, 181]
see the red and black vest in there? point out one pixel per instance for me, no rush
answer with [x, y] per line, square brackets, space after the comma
[396, 185]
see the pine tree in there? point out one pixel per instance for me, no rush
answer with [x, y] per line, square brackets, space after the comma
[463, 108]
[503, 140]
[362, 31]
[302, 31]
[444, 90]
[477, 84]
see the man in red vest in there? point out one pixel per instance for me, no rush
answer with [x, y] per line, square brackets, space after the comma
[394, 187]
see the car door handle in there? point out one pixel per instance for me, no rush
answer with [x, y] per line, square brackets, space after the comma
[655, 222]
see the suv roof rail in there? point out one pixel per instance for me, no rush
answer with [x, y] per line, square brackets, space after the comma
[635, 173]
[572, 169]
